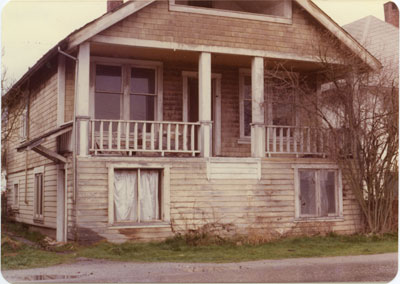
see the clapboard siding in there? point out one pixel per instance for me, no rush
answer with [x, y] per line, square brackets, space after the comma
[250, 205]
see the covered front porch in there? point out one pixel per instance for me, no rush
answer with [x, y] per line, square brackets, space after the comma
[144, 101]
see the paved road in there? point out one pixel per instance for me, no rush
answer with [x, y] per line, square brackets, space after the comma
[370, 268]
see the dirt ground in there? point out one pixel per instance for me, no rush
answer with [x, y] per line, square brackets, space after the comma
[366, 268]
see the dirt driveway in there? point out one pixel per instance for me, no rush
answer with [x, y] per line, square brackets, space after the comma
[368, 268]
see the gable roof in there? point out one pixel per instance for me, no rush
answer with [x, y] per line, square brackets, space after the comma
[110, 18]
[379, 37]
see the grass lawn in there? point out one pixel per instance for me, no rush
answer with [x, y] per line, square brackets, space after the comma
[17, 255]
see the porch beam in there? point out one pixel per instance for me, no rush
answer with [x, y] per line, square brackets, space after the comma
[205, 103]
[257, 93]
[82, 99]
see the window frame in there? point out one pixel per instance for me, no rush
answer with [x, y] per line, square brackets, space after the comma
[286, 19]
[165, 194]
[338, 192]
[38, 218]
[126, 67]
[242, 74]
[15, 203]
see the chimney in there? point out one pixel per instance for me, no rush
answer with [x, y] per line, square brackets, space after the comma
[391, 14]
[113, 4]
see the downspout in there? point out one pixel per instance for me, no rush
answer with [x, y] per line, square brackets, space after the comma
[74, 170]
[27, 138]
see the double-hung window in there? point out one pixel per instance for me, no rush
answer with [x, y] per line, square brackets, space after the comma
[318, 192]
[15, 194]
[127, 90]
[38, 206]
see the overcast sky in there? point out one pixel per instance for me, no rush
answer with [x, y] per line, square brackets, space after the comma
[29, 28]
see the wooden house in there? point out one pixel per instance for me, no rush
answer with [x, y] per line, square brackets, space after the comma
[155, 119]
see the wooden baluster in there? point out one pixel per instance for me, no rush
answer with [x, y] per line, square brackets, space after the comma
[110, 125]
[274, 139]
[160, 137]
[92, 130]
[281, 140]
[308, 140]
[144, 140]
[127, 136]
[119, 135]
[295, 140]
[169, 137]
[101, 134]
[288, 140]
[301, 140]
[152, 136]
[176, 137]
[135, 137]
[192, 139]
[267, 138]
[185, 137]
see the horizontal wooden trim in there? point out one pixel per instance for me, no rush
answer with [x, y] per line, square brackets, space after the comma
[318, 219]
[204, 48]
[139, 225]
[122, 61]
[315, 166]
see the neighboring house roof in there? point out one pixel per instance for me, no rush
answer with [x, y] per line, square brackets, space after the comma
[110, 18]
[379, 37]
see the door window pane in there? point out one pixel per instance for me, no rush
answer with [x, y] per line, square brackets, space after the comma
[193, 96]
[108, 78]
[307, 193]
[143, 81]
[247, 88]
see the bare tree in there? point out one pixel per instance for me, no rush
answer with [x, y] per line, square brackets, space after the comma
[357, 112]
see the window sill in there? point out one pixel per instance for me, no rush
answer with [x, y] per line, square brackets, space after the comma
[139, 225]
[244, 140]
[318, 219]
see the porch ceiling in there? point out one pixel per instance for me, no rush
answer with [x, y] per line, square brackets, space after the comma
[181, 56]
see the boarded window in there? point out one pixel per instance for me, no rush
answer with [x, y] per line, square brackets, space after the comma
[137, 195]
[318, 193]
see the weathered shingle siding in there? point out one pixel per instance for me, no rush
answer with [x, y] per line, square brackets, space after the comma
[156, 22]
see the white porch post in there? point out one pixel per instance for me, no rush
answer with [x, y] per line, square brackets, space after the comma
[82, 99]
[205, 103]
[257, 93]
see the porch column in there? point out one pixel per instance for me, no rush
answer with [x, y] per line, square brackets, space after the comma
[82, 99]
[257, 93]
[205, 103]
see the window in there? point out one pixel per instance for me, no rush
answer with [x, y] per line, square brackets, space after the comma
[16, 196]
[272, 10]
[127, 90]
[138, 196]
[245, 103]
[38, 194]
[319, 193]
[24, 124]
[280, 102]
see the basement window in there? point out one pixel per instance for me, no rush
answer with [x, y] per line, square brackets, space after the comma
[138, 196]
[318, 192]
[272, 10]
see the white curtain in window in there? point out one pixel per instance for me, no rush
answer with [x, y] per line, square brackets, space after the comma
[125, 195]
[149, 206]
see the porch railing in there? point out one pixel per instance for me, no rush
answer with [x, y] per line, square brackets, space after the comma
[296, 140]
[131, 136]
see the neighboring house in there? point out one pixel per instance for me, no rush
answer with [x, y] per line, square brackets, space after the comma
[153, 119]
[380, 38]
